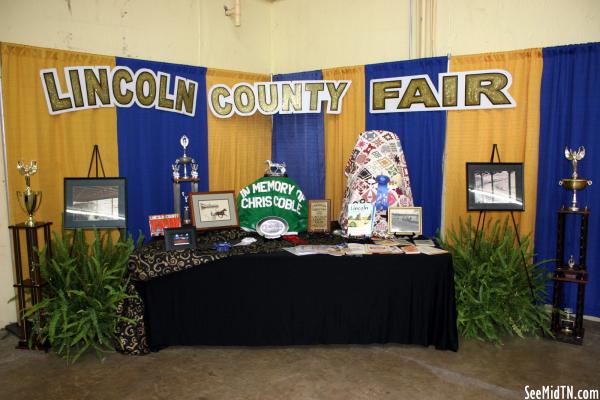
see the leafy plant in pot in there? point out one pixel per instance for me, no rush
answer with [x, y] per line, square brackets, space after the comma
[84, 285]
[493, 296]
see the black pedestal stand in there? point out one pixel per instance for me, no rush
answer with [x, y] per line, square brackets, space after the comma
[29, 289]
[565, 273]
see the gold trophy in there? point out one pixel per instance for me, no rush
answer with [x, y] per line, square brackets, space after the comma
[29, 200]
[574, 183]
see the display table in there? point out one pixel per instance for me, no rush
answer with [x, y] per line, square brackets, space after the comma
[282, 299]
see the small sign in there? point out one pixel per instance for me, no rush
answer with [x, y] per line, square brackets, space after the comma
[319, 215]
[158, 223]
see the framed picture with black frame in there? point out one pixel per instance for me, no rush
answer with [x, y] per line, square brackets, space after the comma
[495, 187]
[95, 203]
[183, 237]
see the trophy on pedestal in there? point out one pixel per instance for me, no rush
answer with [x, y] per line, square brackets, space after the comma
[181, 175]
[574, 183]
[29, 200]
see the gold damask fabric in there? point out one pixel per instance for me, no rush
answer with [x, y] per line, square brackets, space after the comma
[132, 334]
[152, 261]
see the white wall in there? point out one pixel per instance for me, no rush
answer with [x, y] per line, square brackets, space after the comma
[283, 36]
[477, 26]
[315, 34]
[8, 312]
[194, 32]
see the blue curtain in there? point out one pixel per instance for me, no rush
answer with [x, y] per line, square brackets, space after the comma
[299, 141]
[570, 116]
[149, 143]
[422, 134]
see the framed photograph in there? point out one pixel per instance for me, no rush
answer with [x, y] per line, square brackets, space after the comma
[180, 238]
[213, 210]
[495, 187]
[405, 220]
[95, 203]
[158, 223]
[319, 215]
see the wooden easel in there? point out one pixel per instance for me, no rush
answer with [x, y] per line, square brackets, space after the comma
[98, 161]
[481, 226]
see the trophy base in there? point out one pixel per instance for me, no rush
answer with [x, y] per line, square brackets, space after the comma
[30, 222]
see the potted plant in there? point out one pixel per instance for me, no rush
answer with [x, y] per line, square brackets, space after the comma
[493, 294]
[84, 284]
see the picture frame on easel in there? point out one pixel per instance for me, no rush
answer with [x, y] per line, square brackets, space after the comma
[495, 186]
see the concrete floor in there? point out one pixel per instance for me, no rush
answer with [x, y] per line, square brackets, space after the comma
[477, 371]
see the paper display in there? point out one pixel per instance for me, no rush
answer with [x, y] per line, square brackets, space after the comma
[360, 219]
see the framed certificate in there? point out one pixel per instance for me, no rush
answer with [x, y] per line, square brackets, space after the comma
[319, 215]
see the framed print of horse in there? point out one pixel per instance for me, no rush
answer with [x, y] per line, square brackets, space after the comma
[213, 210]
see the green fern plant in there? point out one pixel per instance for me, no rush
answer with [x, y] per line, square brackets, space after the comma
[84, 285]
[493, 296]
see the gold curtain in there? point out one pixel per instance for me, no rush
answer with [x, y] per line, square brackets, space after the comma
[341, 131]
[62, 144]
[471, 134]
[237, 146]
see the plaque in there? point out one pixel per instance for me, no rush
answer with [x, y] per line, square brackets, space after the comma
[272, 227]
[319, 215]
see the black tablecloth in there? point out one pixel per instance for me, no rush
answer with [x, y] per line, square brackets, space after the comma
[282, 299]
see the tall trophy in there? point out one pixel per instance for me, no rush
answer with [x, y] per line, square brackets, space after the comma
[574, 183]
[29, 200]
[181, 175]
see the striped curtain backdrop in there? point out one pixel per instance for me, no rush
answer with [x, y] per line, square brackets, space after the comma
[557, 96]
[148, 142]
[298, 140]
[570, 117]
[422, 134]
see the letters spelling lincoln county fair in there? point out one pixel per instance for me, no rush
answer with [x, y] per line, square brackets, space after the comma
[101, 86]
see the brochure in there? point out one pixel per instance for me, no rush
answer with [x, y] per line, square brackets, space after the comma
[360, 219]
[411, 249]
[392, 242]
[315, 249]
[423, 242]
[429, 250]
[356, 249]
[382, 249]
